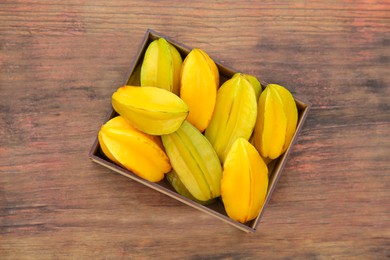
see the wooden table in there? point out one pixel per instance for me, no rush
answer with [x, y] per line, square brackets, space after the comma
[60, 61]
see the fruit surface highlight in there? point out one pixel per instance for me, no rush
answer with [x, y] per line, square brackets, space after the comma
[234, 115]
[152, 110]
[244, 182]
[195, 161]
[277, 119]
[161, 66]
[198, 88]
[134, 150]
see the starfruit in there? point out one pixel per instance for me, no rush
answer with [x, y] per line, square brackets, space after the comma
[179, 187]
[152, 110]
[195, 161]
[198, 88]
[234, 115]
[134, 150]
[254, 81]
[244, 182]
[161, 66]
[277, 119]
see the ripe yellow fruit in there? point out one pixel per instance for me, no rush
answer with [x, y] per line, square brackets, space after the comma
[161, 66]
[134, 150]
[277, 118]
[244, 182]
[195, 161]
[152, 110]
[198, 88]
[234, 114]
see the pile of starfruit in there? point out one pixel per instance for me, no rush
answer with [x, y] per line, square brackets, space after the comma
[209, 141]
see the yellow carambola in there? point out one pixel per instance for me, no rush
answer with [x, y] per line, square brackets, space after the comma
[198, 87]
[234, 114]
[161, 66]
[244, 182]
[195, 161]
[134, 150]
[277, 118]
[153, 110]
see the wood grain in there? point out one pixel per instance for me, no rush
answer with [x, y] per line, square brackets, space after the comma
[60, 63]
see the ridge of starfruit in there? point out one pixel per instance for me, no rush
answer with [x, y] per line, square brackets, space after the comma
[254, 81]
[198, 87]
[234, 114]
[244, 182]
[179, 187]
[195, 161]
[134, 150]
[277, 118]
[153, 110]
[161, 66]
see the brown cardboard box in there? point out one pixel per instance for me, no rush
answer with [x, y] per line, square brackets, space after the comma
[216, 209]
